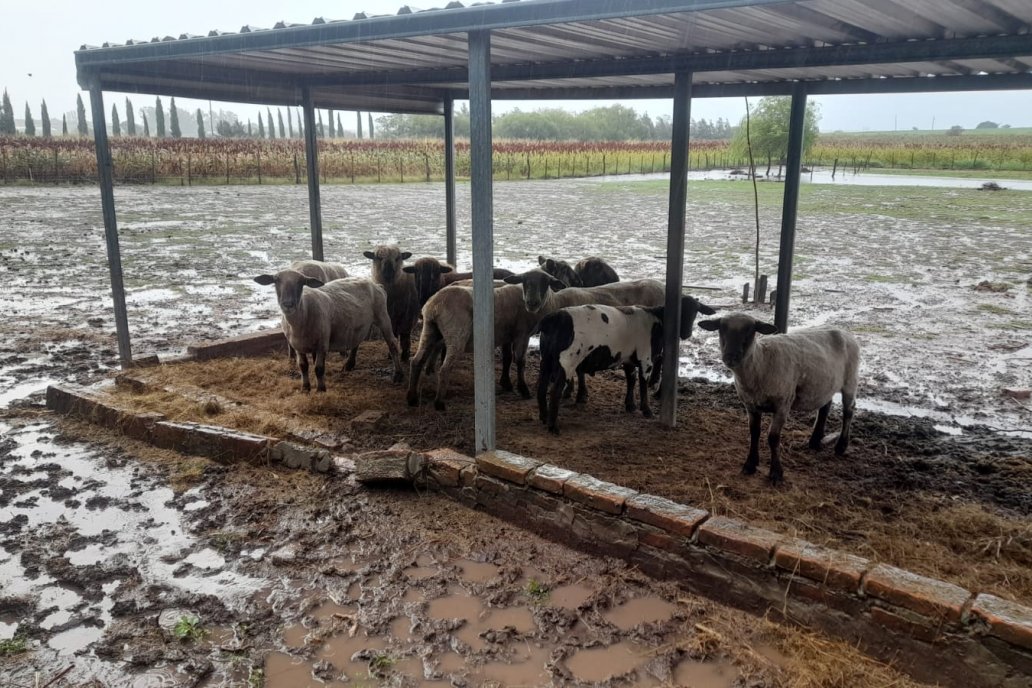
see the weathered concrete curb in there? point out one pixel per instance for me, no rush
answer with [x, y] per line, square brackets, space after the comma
[936, 631]
[253, 344]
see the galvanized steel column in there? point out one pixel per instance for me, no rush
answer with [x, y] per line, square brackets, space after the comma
[312, 167]
[483, 237]
[793, 168]
[449, 176]
[107, 201]
[675, 247]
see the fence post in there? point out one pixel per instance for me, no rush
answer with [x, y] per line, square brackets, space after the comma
[227, 169]
[153, 168]
[259, 154]
[297, 170]
[5, 165]
[189, 172]
[604, 165]
[528, 164]
[57, 169]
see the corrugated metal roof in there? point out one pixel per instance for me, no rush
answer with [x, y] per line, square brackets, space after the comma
[409, 61]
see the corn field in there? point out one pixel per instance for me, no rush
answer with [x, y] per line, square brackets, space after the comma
[240, 161]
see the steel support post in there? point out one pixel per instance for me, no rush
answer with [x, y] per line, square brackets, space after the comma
[312, 167]
[793, 169]
[449, 177]
[483, 237]
[675, 247]
[105, 177]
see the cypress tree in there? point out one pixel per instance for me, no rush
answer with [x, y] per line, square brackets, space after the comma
[249, 134]
[159, 118]
[271, 123]
[116, 127]
[358, 120]
[279, 116]
[370, 124]
[44, 115]
[146, 126]
[290, 122]
[30, 126]
[340, 127]
[173, 119]
[80, 113]
[64, 125]
[200, 124]
[261, 127]
[319, 130]
[130, 119]
[7, 116]
[333, 130]
[300, 125]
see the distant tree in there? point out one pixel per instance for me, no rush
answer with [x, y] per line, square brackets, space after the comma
[319, 131]
[7, 116]
[987, 125]
[44, 116]
[232, 129]
[955, 130]
[200, 124]
[261, 127]
[290, 122]
[130, 118]
[358, 124]
[279, 117]
[173, 120]
[769, 129]
[116, 126]
[333, 130]
[249, 134]
[1005, 126]
[913, 128]
[146, 125]
[30, 126]
[370, 116]
[80, 113]
[64, 125]
[159, 118]
[271, 123]
[340, 127]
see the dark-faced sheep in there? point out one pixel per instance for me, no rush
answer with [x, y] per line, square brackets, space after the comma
[402, 300]
[431, 275]
[335, 316]
[586, 339]
[589, 272]
[800, 371]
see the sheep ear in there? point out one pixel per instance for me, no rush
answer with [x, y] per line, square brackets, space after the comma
[704, 309]
[541, 260]
[264, 279]
[313, 282]
[406, 255]
[709, 325]
[369, 254]
[446, 268]
[514, 279]
[765, 328]
[557, 284]
[410, 269]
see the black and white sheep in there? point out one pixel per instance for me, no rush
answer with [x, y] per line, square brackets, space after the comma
[431, 275]
[335, 316]
[589, 272]
[402, 300]
[586, 339]
[799, 371]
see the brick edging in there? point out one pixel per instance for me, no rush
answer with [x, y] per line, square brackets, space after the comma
[934, 630]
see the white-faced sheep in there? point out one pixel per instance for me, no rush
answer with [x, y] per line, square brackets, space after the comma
[800, 371]
[431, 275]
[589, 272]
[323, 271]
[402, 300]
[587, 339]
[335, 316]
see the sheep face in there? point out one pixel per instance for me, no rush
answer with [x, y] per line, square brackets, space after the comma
[387, 262]
[561, 270]
[536, 284]
[737, 334]
[427, 274]
[289, 285]
[689, 309]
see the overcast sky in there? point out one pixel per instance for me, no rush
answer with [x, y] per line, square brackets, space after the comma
[37, 40]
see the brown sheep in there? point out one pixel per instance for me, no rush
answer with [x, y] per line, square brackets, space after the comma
[432, 275]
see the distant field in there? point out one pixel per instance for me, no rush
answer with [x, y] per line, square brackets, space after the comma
[999, 131]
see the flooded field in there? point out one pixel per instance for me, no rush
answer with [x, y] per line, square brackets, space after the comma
[137, 568]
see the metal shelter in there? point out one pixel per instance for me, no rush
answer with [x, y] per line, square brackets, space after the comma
[422, 61]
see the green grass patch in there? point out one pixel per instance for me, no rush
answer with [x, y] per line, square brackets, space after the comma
[537, 591]
[13, 646]
[886, 279]
[189, 629]
[870, 329]
[994, 309]
[1000, 176]
[1016, 325]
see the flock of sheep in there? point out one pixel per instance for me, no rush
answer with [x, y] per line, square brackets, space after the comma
[588, 320]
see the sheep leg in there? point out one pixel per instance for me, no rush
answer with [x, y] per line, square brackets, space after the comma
[753, 460]
[406, 344]
[848, 406]
[428, 347]
[776, 475]
[519, 352]
[352, 359]
[320, 370]
[817, 436]
[442, 376]
[396, 359]
[629, 405]
[644, 384]
[582, 390]
[568, 389]
[542, 393]
[302, 363]
[553, 410]
[506, 381]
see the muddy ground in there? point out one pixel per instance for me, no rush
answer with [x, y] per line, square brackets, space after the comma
[108, 553]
